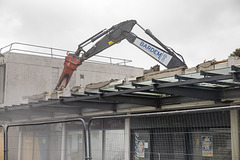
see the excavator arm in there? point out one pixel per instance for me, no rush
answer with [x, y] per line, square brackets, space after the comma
[109, 37]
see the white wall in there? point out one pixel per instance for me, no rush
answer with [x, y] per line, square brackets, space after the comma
[28, 75]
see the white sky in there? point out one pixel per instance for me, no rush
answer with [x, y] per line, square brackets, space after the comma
[198, 30]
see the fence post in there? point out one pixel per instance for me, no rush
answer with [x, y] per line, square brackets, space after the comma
[20, 140]
[63, 144]
[6, 143]
[4, 140]
[234, 117]
[127, 139]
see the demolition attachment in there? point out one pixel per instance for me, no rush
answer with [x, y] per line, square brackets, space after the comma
[70, 65]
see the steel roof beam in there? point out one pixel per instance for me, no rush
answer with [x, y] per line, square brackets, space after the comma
[159, 81]
[180, 78]
[91, 105]
[208, 74]
[151, 87]
[209, 94]
[131, 99]
[195, 81]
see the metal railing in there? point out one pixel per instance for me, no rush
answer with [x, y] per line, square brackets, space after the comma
[25, 48]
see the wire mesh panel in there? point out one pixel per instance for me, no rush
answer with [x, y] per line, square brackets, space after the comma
[205, 135]
[197, 136]
[46, 142]
[74, 146]
[107, 139]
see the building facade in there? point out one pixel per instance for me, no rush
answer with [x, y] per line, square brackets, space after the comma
[25, 76]
[190, 114]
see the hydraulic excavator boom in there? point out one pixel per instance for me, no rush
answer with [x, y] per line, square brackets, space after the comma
[108, 37]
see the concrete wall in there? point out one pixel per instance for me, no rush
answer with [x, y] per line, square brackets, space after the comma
[28, 75]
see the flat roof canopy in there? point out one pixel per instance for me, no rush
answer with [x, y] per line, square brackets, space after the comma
[219, 87]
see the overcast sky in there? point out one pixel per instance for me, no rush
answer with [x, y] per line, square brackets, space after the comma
[198, 30]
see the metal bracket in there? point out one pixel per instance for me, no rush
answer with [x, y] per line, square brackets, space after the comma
[155, 87]
[236, 76]
[235, 68]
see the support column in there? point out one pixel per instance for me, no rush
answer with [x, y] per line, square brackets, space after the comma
[234, 117]
[103, 143]
[63, 145]
[20, 144]
[127, 137]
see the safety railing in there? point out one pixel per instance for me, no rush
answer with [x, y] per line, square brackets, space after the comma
[25, 48]
[51, 140]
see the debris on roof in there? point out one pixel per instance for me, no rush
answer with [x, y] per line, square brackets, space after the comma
[37, 97]
[205, 66]
[76, 89]
[99, 85]
[153, 69]
[162, 74]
